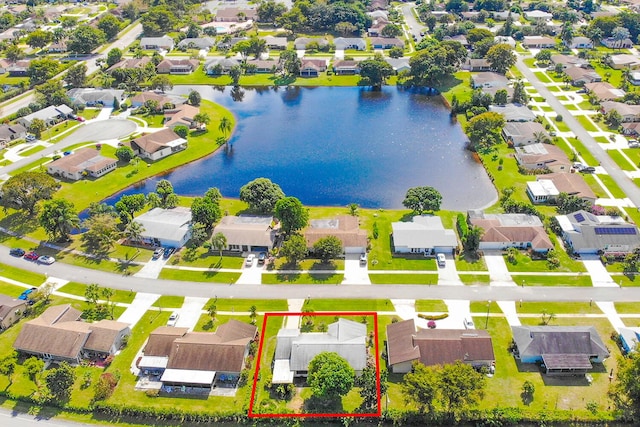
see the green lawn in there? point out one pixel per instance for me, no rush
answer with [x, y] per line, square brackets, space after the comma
[348, 305]
[202, 257]
[627, 307]
[244, 305]
[169, 301]
[525, 263]
[582, 151]
[633, 154]
[431, 306]
[467, 262]
[612, 186]
[20, 275]
[32, 150]
[586, 123]
[574, 280]
[198, 276]
[302, 278]
[405, 279]
[10, 290]
[542, 77]
[621, 160]
[480, 307]
[558, 308]
[75, 288]
[475, 279]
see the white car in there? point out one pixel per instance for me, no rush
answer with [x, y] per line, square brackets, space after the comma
[442, 261]
[173, 319]
[30, 138]
[44, 259]
[468, 323]
[249, 260]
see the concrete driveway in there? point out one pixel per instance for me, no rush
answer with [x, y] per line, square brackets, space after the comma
[498, 271]
[190, 312]
[600, 277]
[448, 275]
[138, 307]
[251, 275]
[152, 268]
[458, 311]
[354, 273]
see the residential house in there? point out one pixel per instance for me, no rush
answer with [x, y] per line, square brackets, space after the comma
[377, 26]
[514, 112]
[4, 64]
[424, 234]
[200, 43]
[236, 14]
[542, 156]
[569, 61]
[538, 15]
[538, 42]
[505, 39]
[163, 100]
[10, 133]
[477, 64]
[629, 338]
[92, 97]
[613, 43]
[460, 38]
[181, 115]
[301, 42]
[377, 14]
[502, 231]
[579, 43]
[279, 43]
[11, 310]
[586, 233]
[398, 64]
[177, 66]
[471, 16]
[628, 112]
[83, 162]
[157, 145]
[19, 68]
[130, 63]
[581, 76]
[378, 5]
[247, 233]
[386, 42]
[634, 78]
[623, 61]
[157, 43]
[547, 188]
[50, 115]
[433, 347]
[604, 91]
[345, 227]
[351, 43]
[58, 47]
[344, 67]
[166, 227]
[198, 359]
[489, 79]
[562, 350]
[227, 44]
[59, 335]
[296, 349]
[504, 15]
[218, 66]
[261, 66]
[632, 128]
[312, 67]
[524, 133]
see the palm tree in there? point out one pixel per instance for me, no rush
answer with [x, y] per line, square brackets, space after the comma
[201, 119]
[133, 231]
[219, 242]
[66, 219]
[224, 126]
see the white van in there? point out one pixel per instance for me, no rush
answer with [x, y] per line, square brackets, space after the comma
[441, 260]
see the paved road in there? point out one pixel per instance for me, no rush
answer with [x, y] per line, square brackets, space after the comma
[630, 189]
[411, 21]
[17, 419]
[94, 131]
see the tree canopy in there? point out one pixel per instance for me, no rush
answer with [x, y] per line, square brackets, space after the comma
[25, 190]
[58, 218]
[328, 248]
[374, 72]
[485, 129]
[421, 199]
[261, 195]
[330, 375]
[292, 214]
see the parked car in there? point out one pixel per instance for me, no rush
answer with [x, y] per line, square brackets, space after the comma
[363, 258]
[157, 253]
[173, 319]
[588, 169]
[16, 252]
[552, 134]
[442, 261]
[25, 295]
[167, 252]
[578, 166]
[633, 143]
[66, 153]
[262, 257]
[80, 119]
[30, 138]
[468, 323]
[48, 260]
[249, 260]
[32, 256]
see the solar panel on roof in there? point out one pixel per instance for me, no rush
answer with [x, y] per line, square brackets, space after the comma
[579, 217]
[617, 230]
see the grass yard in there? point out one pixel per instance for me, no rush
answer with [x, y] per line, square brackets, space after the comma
[524, 263]
[431, 306]
[467, 262]
[587, 124]
[558, 308]
[10, 290]
[198, 276]
[169, 301]
[302, 278]
[204, 258]
[79, 289]
[621, 160]
[244, 305]
[582, 151]
[506, 174]
[475, 279]
[612, 186]
[569, 280]
[627, 307]
[20, 275]
[543, 78]
[32, 150]
[404, 279]
[348, 305]
[633, 154]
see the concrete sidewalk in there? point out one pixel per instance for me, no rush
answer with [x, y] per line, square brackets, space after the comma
[138, 307]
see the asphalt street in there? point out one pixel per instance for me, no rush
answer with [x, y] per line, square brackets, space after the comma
[16, 419]
[630, 189]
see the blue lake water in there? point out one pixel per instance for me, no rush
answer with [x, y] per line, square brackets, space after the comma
[331, 146]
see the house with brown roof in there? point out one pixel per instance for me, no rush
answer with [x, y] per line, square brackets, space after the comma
[580, 76]
[547, 188]
[157, 145]
[11, 310]
[261, 66]
[502, 231]
[129, 63]
[569, 61]
[10, 133]
[19, 68]
[518, 134]
[163, 100]
[247, 233]
[198, 359]
[59, 334]
[432, 347]
[631, 128]
[538, 42]
[542, 156]
[236, 14]
[177, 66]
[629, 112]
[312, 67]
[346, 67]
[604, 91]
[81, 163]
[181, 115]
[345, 227]
[386, 42]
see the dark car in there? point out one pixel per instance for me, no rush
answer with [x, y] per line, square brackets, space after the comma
[262, 257]
[17, 252]
[588, 169]
[32, 256]
[168, 252]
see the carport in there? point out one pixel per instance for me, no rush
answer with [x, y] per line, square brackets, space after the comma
[188, 378]
[566, 364]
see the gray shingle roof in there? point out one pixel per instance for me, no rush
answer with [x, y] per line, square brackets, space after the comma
[538, 340]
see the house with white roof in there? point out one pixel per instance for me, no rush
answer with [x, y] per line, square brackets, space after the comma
[538, 15]
[296, 349]
[155, 43]
[50, 115]
[166, 227]
[514, 112]
[624, 60]
[352, 43]
[586, 233]
[548, 187]
[424, 234]
[91, 97]
[579, 43]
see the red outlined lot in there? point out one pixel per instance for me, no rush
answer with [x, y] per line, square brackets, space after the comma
[253, 414]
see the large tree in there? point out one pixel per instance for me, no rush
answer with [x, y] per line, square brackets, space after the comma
[294, 249]
[52, 92]
[292, 214]
[269, 11]
[25, 190]
[501, 57]
[330, 376]
[158, 21]
[328, 248]
[77, 75]
[289, 63]
[60, 382]
[421, 199]
[114, 56]
[85, 38]
[58, 218]
[41, 70]
[420, 387]
[374, 72]
[128, 205]
[261, 195]
[219, 243]
[39, 38]
[110, 25]
[438, 61]
[206, 211]
[625, 391]
[102, 232]
[485, 129]
[37, 127]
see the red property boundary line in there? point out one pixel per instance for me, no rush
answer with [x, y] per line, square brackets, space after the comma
[252, 414]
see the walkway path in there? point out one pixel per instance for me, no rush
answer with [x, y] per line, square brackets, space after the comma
[295, 306]
[608, 308]
[152, 269]
[141, 303]
[510, 312]
[448, 275]
[251, 275]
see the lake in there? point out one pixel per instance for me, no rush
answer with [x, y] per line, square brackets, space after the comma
[332, 146]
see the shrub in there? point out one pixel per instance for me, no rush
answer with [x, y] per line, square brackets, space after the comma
[434, 317]
[375, 230]
[559, 118]
[181, 130]
[463, 227]
[105, 386]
